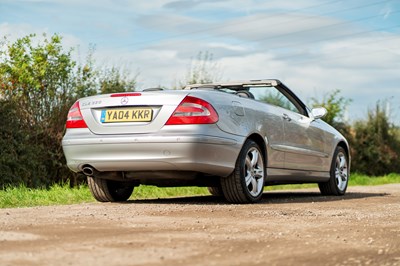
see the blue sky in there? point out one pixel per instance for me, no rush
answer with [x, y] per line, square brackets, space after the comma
[312, 46]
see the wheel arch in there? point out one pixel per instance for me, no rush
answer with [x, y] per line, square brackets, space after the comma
[346, 147]
[235, 187]
[257, 138]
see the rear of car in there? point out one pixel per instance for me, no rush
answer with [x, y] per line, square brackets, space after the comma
[146, 136]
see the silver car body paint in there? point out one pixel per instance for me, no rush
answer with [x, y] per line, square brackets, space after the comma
[298, 147]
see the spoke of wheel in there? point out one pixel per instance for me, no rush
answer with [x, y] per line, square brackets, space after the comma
[254, 186]
[260, 184]
[258, 173]
[248, 178]
[254, 160]
[248, 163]
[342, 161]
[338, 163]
[339, 181]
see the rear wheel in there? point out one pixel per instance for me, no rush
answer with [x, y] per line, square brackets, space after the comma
[109, 190]
[246, 183]
[339, 175]
[216, 191]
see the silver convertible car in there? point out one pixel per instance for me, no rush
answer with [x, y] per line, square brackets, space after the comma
[234, 138]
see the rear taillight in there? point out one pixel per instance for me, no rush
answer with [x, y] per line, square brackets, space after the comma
[193, 110]
[75, 119]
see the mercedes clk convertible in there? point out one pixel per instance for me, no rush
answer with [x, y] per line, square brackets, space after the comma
[234, 138]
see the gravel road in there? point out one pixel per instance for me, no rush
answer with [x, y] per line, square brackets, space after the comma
[286, 228]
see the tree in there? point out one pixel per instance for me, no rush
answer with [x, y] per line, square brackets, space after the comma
[335, 105]
[38, 77]
[202, 70]
[85, 77]
[18, 157]
[36, 87]
[114, 80]
[376, 144]
[39, 81]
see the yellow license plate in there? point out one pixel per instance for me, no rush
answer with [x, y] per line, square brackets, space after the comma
[126, 115]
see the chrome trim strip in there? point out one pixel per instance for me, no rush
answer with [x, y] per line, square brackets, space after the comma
[297, 150]
[281, 175]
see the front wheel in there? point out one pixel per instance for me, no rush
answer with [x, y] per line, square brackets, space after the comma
[339, 175]
[246, 183]
[109, 190]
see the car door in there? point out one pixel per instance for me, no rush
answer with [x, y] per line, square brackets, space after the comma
[303, 140]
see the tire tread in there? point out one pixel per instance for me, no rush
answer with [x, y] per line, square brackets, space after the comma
[329, 188]
[215, 191]
[101, 190]
[232, 187]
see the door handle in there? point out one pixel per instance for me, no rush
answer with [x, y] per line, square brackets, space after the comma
[286, 117]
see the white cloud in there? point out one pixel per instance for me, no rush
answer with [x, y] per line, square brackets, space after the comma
[231, 47]
[15, 31]
[190, 4]
[385, 12]
[171, 23]
[245, 6]
[282, 30]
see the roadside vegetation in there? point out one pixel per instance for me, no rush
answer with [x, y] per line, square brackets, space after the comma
[21, 196]
[39, 81]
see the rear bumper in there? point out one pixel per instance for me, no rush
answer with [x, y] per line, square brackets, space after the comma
[148, 153]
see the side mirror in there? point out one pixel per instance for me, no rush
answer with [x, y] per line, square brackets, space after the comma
[318, 112]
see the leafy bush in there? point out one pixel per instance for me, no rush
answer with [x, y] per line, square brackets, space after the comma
[36, 91]
[336, 106]
[376, 144]
[38, 84]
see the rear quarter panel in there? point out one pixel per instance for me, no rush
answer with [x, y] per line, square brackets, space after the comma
[244, 117]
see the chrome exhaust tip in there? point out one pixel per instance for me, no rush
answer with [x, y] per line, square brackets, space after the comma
[88, 171]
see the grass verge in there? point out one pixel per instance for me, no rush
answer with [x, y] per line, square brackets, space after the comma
[21, 196]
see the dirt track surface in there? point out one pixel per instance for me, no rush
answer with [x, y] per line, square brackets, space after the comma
[286, 228]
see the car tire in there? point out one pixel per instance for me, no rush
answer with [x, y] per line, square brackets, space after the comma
[216, 191]
[109, 190]
[339, 175]
[246, 183]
